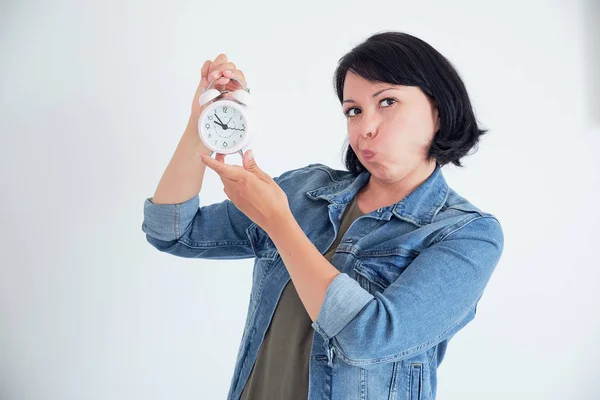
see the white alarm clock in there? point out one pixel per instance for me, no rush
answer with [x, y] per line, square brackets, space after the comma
[226, 125]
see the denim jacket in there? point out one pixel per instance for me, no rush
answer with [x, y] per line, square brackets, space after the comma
[411, 275]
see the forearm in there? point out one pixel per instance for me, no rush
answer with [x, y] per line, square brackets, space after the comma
[183, 177]
[311, 273]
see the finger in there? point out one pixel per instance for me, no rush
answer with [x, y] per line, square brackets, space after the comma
[249, 163]
[226, 80]
[220, 157]
[246, 159]
[222, 82]
[227, 66]
[204, 74]
[205, 67]
[217, 77]
[237, 74]
[214, 67]
[216, 72]
[219, 71]
[232, 172]
[220, 60]
[220, 68]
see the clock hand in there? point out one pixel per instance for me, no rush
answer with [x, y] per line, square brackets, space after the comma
[220, 122]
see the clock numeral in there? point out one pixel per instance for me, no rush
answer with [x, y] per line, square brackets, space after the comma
[234, 142]
[207, 126]
[241, 117]
[224, 109]
[209, 135]
[224, 144]
[210, 117]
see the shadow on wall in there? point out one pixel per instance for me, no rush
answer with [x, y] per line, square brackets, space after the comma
[592, 60]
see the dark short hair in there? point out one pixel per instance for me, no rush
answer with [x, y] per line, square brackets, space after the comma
[402, 59]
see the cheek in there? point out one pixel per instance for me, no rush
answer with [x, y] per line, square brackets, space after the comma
[422, 119]
[353, 135]
[351, 127]
[417, 128]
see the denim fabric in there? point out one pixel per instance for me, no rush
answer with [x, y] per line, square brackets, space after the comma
[411, 276]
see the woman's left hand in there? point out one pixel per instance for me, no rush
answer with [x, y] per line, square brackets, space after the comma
[252, 190]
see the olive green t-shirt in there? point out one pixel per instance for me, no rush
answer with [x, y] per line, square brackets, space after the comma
[281, 368]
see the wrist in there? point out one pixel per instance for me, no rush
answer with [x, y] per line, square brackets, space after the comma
[280, 224]
[192, 125]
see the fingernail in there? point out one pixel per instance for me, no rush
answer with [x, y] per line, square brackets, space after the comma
[250, 155]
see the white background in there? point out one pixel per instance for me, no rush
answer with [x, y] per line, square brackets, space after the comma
[95, 96]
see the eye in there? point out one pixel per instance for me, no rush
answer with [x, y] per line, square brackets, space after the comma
[347, 113]
[388, 98]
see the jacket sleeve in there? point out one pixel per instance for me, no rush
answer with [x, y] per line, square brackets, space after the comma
[429, 302]
[214, 231]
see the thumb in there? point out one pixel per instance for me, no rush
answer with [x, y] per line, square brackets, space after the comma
[250, 162]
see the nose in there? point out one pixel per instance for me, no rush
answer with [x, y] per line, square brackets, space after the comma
[368, 125]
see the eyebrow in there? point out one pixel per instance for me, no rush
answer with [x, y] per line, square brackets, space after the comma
[374, 94]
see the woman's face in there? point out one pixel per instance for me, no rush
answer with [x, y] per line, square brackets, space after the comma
[401, 121]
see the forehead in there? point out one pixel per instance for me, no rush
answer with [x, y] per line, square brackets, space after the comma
[357, 90]
[355, 84]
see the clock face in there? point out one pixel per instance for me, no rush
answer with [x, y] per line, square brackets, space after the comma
[224, 127]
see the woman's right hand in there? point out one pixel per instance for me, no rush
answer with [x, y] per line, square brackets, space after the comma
[222, 70]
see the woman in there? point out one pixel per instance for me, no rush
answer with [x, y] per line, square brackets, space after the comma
[361, 276]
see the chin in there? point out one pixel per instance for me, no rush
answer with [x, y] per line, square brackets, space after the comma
[391, 173]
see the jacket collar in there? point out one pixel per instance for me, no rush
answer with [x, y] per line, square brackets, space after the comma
[420, 207]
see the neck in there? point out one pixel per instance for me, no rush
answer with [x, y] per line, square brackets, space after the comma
[382, 194]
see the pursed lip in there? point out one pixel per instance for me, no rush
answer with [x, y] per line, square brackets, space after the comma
[367, 153]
